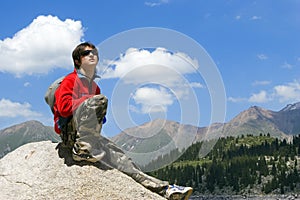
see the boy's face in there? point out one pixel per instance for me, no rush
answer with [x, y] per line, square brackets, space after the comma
[89, 57]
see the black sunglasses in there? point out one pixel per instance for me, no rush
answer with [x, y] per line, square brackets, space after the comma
[87, 52]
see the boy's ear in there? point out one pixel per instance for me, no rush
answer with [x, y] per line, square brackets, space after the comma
[77, 62]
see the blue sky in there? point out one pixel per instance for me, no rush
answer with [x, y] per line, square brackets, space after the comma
[254, 47]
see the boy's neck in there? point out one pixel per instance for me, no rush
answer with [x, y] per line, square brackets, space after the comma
[88, 73]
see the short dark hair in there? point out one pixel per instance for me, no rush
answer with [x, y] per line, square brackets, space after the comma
[76, 55]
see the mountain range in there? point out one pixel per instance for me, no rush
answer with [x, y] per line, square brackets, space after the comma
[257, 120]
[161, 136]
[30, 131]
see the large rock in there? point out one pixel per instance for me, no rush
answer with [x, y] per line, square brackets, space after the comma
[35, 171]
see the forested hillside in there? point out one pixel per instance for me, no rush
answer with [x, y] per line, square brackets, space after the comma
[243, 165]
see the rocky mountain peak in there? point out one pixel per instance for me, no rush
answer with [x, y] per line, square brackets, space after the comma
[30, 131]
[253, 113]
[35, 171]
[289, 107]
[29, 124]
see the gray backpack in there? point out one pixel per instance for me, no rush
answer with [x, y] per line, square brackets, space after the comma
[49, 95]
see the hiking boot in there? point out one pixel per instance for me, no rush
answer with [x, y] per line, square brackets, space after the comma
[175, 192]
[87, 157]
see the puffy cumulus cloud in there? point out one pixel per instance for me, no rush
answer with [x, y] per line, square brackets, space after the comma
[289, 92]
[152, 99]
[45, 44]
[11, 109]
[260, 97]
[157, 66]
[154, 62]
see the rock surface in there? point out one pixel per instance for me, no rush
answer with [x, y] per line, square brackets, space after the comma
[35, 171]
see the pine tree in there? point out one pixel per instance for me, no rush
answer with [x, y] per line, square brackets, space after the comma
[274, 170]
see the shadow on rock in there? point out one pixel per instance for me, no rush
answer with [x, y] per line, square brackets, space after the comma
[65, 153]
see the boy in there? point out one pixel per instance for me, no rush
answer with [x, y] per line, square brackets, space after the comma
[79, 112]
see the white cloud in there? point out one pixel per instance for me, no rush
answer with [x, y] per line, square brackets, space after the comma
[236, 100]
[45, 44]
[153, 99]
[153, 64]
[159, 67]
[158, 3]
[27, 84]
[262, 57]
[196, 85]
[287, 66]
[260, 97]
[256, 83]
[15, 109]
[255, 17]
[289, 92]
[238, 17]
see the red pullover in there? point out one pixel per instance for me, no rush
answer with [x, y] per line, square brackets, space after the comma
[74, 89]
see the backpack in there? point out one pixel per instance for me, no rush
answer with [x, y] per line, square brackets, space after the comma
[49, 95]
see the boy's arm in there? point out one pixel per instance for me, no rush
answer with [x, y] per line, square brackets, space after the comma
[67, 99]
